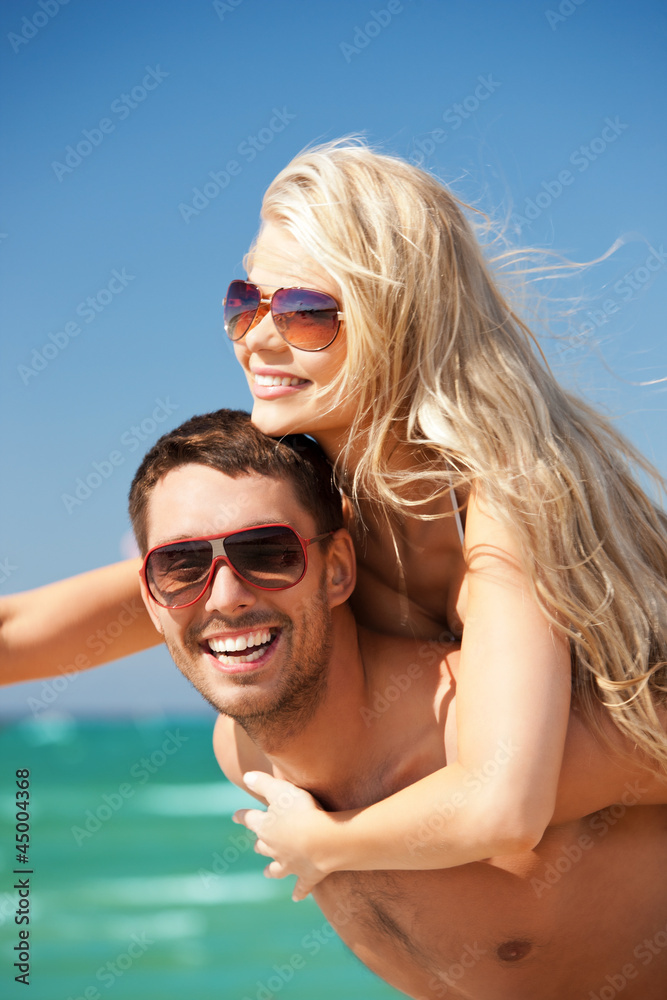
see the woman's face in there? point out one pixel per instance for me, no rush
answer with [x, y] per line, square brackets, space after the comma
[279, 261]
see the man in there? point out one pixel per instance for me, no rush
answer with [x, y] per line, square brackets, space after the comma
[257, 619]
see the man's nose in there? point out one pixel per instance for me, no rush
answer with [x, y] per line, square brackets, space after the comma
[228, 592]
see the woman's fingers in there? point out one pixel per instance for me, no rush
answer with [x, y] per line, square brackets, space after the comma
[252, 819]
[275, 870]
[266, 785]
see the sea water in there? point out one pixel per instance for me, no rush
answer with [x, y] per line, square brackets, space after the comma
[138, 886]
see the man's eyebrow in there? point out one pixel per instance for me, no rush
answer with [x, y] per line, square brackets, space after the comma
[172, 539]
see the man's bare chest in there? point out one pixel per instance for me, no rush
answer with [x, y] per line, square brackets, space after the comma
[550, 923]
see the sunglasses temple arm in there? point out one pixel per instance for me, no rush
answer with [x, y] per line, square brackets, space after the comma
[318, 538]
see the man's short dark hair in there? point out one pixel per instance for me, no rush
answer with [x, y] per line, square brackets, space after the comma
[227, 441]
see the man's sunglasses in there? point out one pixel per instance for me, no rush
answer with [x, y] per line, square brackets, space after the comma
[270, 557]
[303, 317]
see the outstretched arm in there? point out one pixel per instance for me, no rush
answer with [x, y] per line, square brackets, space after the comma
[74, 624]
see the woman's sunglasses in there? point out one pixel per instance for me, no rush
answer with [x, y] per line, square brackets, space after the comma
[303, 317]
[270, 557]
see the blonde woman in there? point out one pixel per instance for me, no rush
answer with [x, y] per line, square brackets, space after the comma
[486, 502]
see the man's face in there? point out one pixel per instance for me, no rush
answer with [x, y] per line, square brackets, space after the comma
[282, 639]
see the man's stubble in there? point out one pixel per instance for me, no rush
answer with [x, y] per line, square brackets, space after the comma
[269, 718]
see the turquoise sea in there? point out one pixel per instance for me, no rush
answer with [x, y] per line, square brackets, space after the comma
[142, 888]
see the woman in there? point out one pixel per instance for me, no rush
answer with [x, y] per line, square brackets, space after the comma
[428, 394]
[431, 386]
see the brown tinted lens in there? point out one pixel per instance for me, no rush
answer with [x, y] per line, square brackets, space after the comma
[306, 319]
[241, 304]
[270, 557]
[176, 574]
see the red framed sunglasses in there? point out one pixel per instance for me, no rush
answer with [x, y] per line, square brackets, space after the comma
[304, 318]
[269, 557]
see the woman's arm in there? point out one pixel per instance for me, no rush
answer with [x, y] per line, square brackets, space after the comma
[595, 774]
[513, 701]
[512, 707]
[74, 624]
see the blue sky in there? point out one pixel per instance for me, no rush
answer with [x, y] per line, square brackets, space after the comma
[550, 115]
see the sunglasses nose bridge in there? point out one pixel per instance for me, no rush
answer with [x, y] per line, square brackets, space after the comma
[219, 558]
[260, 335]
[231, 590]
[263, 309]
[217, 549]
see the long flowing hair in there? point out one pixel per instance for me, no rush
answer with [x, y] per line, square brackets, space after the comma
[438, 360]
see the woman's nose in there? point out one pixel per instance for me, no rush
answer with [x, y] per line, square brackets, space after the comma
[263, 335]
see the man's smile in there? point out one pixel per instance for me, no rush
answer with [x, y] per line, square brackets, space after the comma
[235, 653]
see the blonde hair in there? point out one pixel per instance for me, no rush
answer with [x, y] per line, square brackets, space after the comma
[438, 360]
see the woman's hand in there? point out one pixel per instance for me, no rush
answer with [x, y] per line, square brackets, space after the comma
[285, 831]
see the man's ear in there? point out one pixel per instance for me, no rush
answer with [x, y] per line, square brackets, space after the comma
[341, 567]
[151, 606]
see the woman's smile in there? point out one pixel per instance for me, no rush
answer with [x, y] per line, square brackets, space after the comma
[272, 383]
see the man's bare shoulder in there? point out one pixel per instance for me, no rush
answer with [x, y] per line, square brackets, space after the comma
[236, 753]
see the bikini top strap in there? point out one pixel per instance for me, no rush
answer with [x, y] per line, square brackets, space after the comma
[457, 514]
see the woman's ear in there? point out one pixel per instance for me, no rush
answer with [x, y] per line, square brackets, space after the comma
[348, 510]
[341, 567]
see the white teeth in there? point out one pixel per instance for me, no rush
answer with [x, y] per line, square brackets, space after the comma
[277, 380]
[234, 644]
[248, 658]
